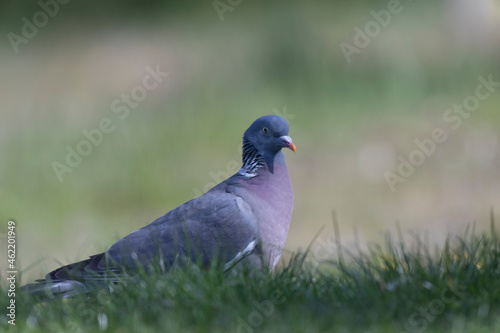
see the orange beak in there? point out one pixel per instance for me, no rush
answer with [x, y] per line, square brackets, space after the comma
[287, 141]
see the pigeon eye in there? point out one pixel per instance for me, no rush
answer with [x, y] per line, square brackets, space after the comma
[265, 130]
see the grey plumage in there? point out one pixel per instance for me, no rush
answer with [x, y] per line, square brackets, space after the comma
[243, 220]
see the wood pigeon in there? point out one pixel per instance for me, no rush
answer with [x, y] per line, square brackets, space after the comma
[243, 220]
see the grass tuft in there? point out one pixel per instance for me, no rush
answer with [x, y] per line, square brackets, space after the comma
[403, 286]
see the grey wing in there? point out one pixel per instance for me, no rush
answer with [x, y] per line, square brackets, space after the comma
[216, 225]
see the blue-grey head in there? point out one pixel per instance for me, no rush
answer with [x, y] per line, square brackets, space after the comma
[263, 140]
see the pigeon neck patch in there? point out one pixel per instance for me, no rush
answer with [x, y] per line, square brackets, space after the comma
[252, 160]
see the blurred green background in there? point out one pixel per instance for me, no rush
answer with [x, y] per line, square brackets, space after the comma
[349, 120]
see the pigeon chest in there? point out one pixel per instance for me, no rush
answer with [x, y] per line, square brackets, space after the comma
[271, 200]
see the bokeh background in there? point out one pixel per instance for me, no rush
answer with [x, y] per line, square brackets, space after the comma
[350, 120]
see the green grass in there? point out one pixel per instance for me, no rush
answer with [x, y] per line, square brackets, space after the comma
[403, 286]
[225, 75]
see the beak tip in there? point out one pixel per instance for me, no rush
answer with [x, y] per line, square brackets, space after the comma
[287, 142]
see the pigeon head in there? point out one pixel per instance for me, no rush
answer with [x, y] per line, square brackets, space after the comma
[269, 134]
[262, 141]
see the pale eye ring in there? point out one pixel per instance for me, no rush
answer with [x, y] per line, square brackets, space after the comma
[265, 130]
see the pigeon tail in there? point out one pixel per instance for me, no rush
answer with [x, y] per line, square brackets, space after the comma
[46, 290]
